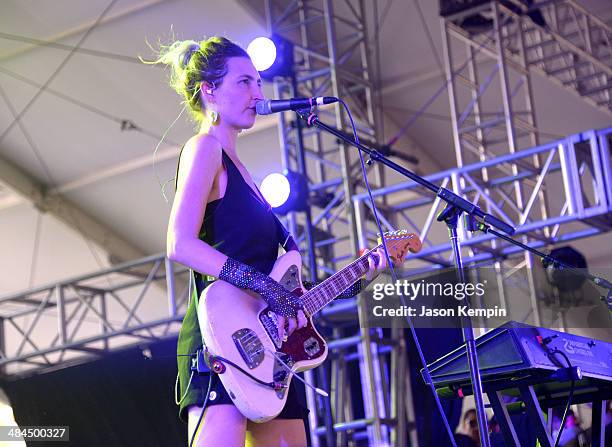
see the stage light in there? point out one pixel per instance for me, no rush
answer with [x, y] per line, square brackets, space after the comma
[262, 52]
[271, 56]
[285, 192]
[565, 280]
[275, 189]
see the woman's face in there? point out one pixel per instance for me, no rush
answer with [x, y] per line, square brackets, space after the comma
[237, 95]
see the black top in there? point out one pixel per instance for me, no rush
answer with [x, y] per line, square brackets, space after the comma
[240, 224]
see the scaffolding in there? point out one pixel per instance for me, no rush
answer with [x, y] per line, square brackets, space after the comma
[73, 320]
[493, 110]
[331, 42]
[77, 319]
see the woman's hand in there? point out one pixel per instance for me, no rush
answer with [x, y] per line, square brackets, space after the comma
[376, 267]
[287, 325]
[291, 323]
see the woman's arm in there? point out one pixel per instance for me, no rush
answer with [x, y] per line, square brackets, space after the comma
[201, 160]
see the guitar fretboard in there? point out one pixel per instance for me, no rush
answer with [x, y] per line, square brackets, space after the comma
[318, 297]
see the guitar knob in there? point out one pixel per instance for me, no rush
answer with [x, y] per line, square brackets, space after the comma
[218, 367]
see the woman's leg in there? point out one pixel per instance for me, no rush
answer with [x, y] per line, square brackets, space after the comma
[222, 425]
[277, 433]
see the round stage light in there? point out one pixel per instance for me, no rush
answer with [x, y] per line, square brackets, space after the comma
[275, 189]
[262, 52]
[286, 192]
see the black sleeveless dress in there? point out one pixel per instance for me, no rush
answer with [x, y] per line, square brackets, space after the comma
[243, 227]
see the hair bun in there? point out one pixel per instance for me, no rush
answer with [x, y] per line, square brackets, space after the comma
[188, 52]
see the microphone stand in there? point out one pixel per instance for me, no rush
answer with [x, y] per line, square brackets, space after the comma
[456, 205]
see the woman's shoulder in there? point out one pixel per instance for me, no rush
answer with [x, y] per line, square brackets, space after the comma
[203, 143]
[203, 148]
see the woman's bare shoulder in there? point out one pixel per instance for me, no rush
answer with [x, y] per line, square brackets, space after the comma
[203, 147]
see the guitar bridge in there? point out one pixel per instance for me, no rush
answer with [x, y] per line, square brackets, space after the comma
[249, 346]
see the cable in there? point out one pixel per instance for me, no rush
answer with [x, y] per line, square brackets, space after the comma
[569, 398]
[195, 432]
[46, 43]
[57, 70]
[178, 402]
[124, 122]
[81, 104]
[17, 120]
[430, 101]
[51, 180]
[394, 277]
[319, 391]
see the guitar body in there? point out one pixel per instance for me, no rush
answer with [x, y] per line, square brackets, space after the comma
[237, 325]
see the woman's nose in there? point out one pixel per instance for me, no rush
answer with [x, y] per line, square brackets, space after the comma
[258, 93]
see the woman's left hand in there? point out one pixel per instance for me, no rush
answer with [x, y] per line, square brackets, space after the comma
[375, 268]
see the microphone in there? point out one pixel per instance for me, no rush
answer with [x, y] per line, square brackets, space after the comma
[269, 106]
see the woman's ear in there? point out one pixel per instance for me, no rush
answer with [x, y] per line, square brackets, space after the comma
[207, 87]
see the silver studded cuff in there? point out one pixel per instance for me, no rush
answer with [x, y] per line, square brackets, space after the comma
[281, 301]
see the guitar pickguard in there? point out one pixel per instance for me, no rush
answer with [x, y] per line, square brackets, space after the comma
[291, 279]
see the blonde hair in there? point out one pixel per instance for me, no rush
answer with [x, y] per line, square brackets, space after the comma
[192, 63]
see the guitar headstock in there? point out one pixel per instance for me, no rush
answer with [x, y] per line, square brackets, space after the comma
[399, 243]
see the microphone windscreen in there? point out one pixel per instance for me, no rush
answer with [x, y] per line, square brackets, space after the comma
[263, 108]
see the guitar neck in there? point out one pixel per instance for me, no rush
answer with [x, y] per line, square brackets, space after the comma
[318, 297]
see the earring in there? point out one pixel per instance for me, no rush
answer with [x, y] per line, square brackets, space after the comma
[214, 116]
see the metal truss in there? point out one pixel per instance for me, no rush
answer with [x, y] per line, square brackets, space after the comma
[78, 319]
[332, 52]
[332, 58]
[493, 111]
[578, 169]
[558, 39]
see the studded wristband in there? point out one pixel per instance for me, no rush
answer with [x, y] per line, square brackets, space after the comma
[281, 301]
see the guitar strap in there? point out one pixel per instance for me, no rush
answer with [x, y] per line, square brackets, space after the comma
[285, 239]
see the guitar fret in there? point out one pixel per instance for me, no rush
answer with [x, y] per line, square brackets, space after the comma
[334, 287]
[321, 295]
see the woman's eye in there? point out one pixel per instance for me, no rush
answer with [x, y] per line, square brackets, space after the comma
[245, 81]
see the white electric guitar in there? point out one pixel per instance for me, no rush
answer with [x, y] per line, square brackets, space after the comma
[237, 325]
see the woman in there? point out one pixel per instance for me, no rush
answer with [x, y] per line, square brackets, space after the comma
[221, 226]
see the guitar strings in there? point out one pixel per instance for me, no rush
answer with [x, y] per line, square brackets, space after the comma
[294, 373]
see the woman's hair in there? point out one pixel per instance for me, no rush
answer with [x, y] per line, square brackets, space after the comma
[192, 62]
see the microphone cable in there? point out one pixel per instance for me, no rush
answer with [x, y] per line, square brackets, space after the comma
[395, 279]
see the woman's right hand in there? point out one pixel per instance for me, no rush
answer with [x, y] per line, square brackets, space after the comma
[287, 325]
